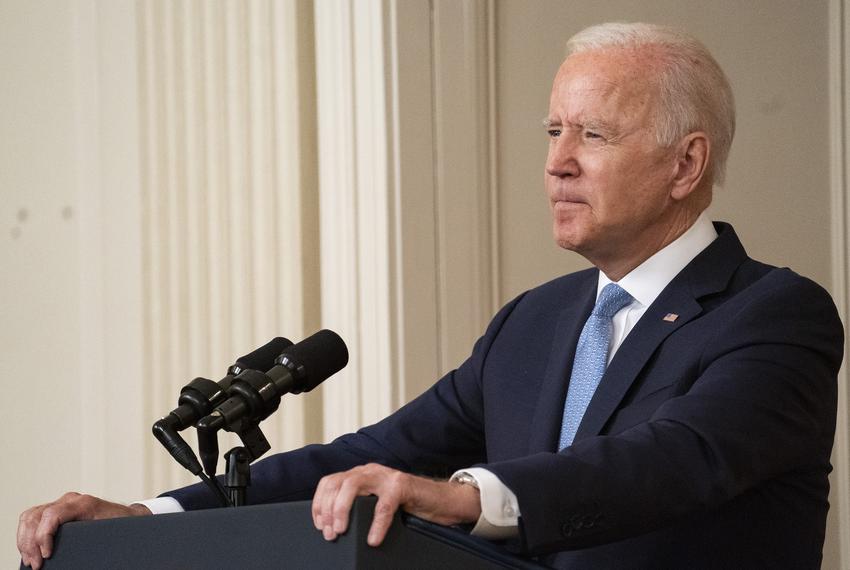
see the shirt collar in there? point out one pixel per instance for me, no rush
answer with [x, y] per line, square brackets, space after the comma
[646, 281]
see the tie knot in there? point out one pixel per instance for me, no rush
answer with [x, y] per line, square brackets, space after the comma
[612, 299]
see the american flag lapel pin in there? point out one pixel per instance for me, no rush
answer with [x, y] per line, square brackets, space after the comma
[671, 317]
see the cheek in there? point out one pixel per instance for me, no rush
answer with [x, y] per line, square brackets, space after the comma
[609, 185]
[623, 188]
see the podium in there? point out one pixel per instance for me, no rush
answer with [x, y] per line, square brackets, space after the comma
[278, 535]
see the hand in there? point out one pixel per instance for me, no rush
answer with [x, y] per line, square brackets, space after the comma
[37, 526]
[440, 502]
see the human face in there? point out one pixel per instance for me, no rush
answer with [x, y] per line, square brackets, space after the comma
[607, 180]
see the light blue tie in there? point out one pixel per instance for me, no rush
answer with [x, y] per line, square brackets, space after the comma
[591, 358]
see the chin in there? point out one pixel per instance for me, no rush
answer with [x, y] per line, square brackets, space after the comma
[568, 243]
[567, 235]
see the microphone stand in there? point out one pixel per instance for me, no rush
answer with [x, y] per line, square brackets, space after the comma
[238, 460]
[237, 475]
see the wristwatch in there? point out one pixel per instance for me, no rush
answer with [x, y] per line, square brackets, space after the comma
[465, 478]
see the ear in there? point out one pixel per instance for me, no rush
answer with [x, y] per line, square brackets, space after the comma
[692, 155]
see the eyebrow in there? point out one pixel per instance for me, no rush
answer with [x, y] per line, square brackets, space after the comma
[585, 122]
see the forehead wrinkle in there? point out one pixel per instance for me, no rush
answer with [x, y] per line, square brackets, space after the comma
[616, 73]
[615, 107]
[594, 84]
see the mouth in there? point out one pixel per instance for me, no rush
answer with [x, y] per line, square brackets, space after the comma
[567, 202]
[567, 195]
[567, 208]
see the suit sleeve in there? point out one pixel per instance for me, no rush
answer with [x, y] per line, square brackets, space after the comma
[436, 434]
[763, 405]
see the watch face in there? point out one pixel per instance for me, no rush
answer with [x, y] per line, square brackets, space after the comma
[467, 479]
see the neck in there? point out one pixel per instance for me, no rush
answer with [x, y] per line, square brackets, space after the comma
[617, 266]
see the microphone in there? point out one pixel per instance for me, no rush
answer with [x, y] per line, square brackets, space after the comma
[201, 395]
[253, 396]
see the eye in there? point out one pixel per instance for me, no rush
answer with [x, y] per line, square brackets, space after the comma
[553, 133]
[592, 135]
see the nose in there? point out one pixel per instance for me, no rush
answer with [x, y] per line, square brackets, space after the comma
[562, 160]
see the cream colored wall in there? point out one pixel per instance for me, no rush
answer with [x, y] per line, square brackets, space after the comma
[40, 287]
[71, 356]
[104, 146]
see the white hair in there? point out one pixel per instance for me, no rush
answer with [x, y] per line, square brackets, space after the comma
[695, 94]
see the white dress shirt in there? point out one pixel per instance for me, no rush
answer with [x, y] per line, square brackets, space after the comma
[499, 505]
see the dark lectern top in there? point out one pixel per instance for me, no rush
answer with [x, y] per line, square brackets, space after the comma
[268, 536]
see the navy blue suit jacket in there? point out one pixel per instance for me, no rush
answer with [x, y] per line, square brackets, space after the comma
[706, 445]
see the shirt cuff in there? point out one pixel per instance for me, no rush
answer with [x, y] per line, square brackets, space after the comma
[499, 505]
[162, 505]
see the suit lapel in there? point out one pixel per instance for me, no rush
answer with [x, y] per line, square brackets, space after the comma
[649, 332]
[708, 273]
[546, 424]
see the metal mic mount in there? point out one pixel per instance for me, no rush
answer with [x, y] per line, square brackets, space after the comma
[240, 401]
[241, 414]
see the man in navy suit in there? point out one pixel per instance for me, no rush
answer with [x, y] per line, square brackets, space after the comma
[688, 423]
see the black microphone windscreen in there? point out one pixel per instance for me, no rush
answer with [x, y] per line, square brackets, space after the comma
[263, 358]
[318, 357]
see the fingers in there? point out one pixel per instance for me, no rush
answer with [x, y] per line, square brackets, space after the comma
[349, 489]
[322, 504]
[27, 546]
[438, 501]
[327, 508]
[336, 493]
[381, 522]
[334, 498]
[51, 517]
[37, 526]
